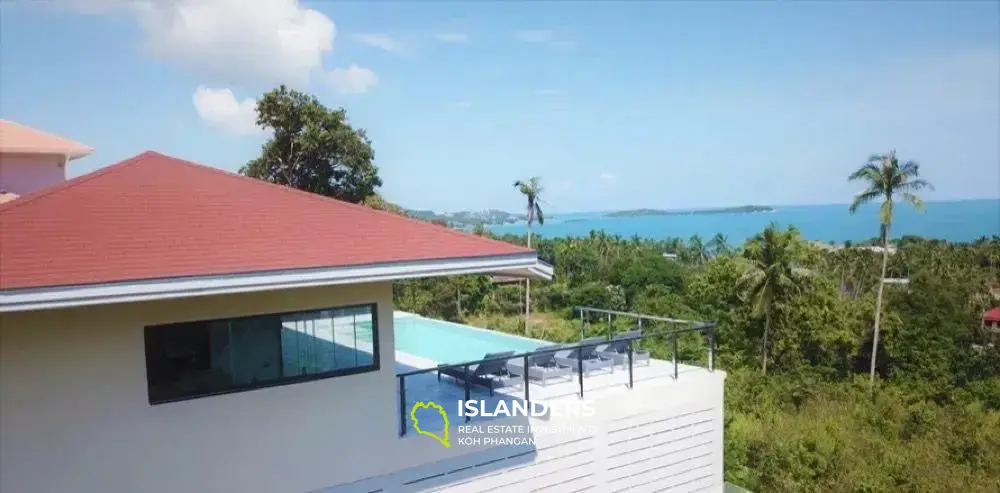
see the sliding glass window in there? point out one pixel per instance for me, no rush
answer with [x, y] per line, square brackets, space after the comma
[196, 359]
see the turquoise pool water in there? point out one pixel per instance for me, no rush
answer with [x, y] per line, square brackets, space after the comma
[446, 342]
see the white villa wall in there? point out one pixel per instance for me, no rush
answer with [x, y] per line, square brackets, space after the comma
[25, 173]
[75, 415]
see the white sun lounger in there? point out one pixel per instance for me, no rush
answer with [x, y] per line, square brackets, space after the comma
[617, 349]
[591, 361]
[542, 367]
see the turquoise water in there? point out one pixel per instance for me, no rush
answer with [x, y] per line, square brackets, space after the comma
[964, 220]
[452, 343]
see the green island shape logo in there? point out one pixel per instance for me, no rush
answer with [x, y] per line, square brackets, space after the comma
[416, 422]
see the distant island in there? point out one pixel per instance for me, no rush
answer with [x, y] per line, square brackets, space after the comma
[721, 210]
[467, 218]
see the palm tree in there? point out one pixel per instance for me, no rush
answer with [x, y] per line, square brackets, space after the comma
[772, 274]
[698, 252]
[531, 189]
[719, 245]
[886, 180]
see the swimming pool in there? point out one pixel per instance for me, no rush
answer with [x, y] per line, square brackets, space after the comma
[446, 342]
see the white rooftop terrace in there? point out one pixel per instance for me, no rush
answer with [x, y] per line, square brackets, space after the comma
[447, 391]
[662, 433]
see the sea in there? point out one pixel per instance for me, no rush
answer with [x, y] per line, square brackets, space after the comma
[964, 220]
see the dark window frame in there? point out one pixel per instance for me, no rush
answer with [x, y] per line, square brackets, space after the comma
[281, 381]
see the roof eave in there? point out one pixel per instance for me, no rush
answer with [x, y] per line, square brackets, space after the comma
[79, 153]
[71, 153]
[524, 265]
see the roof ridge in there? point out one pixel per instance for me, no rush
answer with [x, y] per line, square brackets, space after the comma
[324, 198]
[31, 197]
[25, 199]
[158, 217]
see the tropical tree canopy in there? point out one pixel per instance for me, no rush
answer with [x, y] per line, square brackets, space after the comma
[697, 250]
[377, 201]
[811, 424]
[772, 275]
[886, 179]
[719, 244]
[313, 148]
[532, 189]
[772, 254]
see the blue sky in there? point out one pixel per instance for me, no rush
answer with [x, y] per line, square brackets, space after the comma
[615, 105]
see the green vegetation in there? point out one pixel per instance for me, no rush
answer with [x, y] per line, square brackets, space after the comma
[313, 148]
[802, 421]
[810, 424]
[531, 190]
[770, 276]
[719, 210]
[888, 181]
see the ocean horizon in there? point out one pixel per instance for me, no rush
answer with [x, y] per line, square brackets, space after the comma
[958, 220]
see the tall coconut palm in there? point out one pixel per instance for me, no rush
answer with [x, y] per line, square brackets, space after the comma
[697, 250]
[719, 245]
[531, 190]
[772, 275]
[886, 180]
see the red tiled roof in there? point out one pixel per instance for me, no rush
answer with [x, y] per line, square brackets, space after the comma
[154, 216]
[992, 315]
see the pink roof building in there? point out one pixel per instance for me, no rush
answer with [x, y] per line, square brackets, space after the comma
[31, 159]
[991, 319]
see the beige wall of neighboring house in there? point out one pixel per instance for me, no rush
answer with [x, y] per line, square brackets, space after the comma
[75, 415]
[22, 174]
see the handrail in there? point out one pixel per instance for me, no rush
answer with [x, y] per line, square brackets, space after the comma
[707, 328]
[588, 309]
[562, 347]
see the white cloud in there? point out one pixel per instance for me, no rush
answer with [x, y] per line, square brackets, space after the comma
[270, 42]
[352, 80]
[220, 109]
[546, 92]
[535, 35]
[464, 104]
[608, 177]
[451, 37]
[380, 41]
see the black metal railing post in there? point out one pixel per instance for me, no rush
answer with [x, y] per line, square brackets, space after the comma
[579, 368]
[527, 369]
[673, 342]
[468, 391]
[402, 405]
[630, 382]
[711, 350]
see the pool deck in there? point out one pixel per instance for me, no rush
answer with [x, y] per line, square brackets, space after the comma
[426, 387]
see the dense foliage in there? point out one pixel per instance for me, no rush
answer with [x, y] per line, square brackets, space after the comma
[810, 424]
[313, 148]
